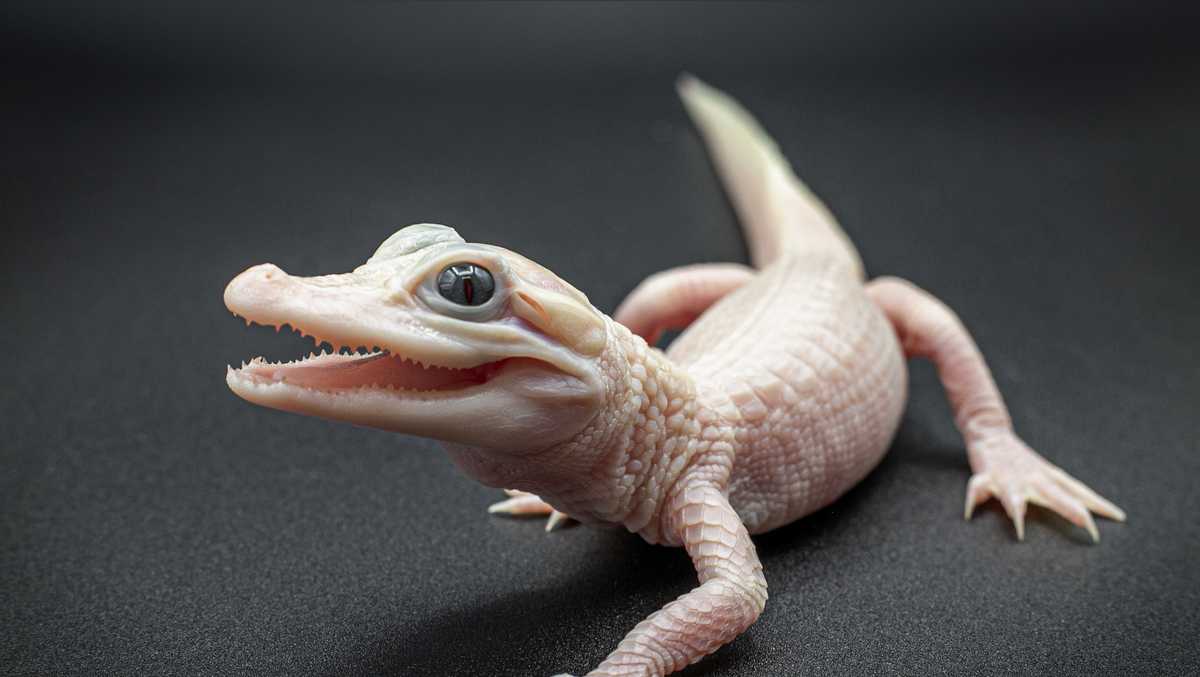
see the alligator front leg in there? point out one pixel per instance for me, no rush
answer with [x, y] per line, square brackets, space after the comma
[673, 298]
[730, 597]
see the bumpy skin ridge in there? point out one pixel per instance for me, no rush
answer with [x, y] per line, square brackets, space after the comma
[817, 404]
[656, 428]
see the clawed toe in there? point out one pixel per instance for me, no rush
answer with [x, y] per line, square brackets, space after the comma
[1093, 501]
[1018, 477]
[1050, 495]
[527, 504]
[521, 504]
[979, 490]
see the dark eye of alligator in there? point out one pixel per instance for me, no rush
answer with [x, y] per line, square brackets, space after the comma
[466, 284]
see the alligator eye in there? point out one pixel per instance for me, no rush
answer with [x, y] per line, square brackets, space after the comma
[466, 284]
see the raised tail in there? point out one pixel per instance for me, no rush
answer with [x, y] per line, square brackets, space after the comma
[778, 212]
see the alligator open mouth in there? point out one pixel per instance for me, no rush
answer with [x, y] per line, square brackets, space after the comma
[379, 369]
[333, 371]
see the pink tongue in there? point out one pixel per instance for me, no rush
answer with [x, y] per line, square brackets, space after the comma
[342, 371]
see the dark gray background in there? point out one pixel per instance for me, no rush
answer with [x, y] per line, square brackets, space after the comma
[1037, 170]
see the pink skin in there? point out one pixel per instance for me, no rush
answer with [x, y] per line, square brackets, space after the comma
[784, 391]
[674, 298]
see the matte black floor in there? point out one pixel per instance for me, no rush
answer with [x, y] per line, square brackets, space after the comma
[1038, 172]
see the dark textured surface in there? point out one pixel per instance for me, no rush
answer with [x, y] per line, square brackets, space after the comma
[1037, 171]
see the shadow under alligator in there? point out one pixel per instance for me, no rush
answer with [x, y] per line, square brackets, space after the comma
[571, 626]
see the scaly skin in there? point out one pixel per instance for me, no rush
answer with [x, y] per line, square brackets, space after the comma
[785, 390]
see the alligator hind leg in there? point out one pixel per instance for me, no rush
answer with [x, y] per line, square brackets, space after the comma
[1003, 466]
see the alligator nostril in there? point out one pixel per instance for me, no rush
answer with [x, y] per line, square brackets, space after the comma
[270, 271]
